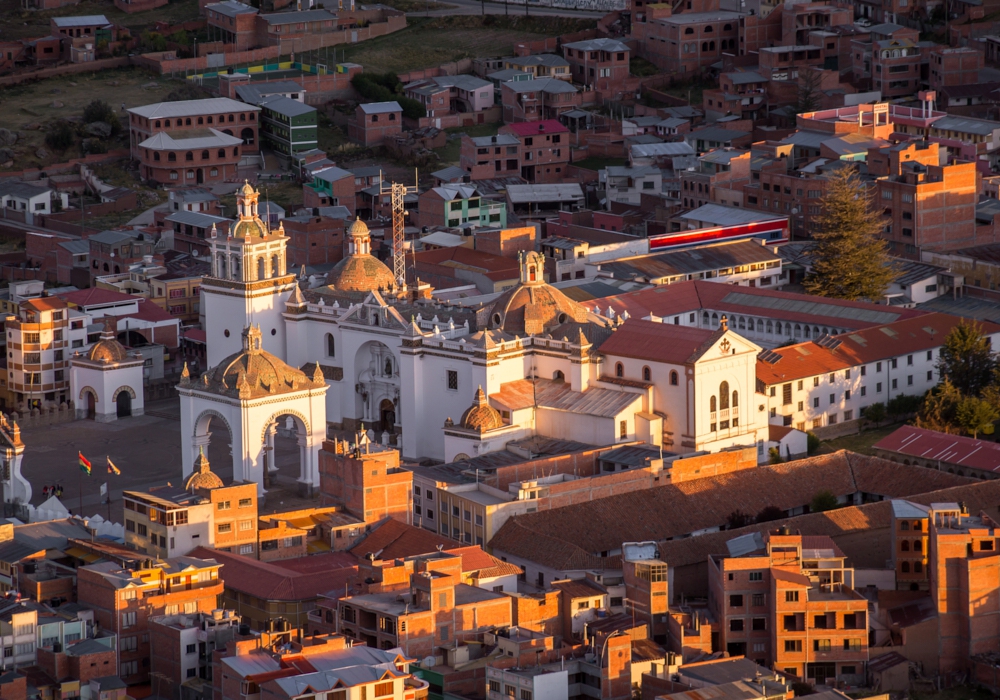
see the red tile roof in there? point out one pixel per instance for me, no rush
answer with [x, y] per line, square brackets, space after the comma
[949, 449]
[269, 581]
[658, 342]
[459, 257]
[683, 297]
[545, 126]
[195, 335]
[864, 346]
[44, 303]
[570, 537]
[148, 311]
[396, 540]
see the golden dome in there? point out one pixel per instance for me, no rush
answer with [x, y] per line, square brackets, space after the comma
[533, 306]
[360, 273]
[247, 189]
[253, 373]
[107, 349]
[202, 477]
[481, 416]
[247, 228]
[358, 228]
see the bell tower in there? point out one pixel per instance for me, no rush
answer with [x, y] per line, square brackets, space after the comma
[249, 282]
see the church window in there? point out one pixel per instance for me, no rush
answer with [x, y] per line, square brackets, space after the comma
[559, 376]
[388, 366]
[261, 269]
[647, 374]
[673, 377]
[724, 395]
[712, 404]
[736, 399]
[619, 369]
[496, 320]
[452, 380]
[905, 567]
[274, 263]
[331, 346]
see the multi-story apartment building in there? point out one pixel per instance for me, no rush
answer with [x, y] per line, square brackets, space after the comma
[720, 178]
[954, 66]
[459, 205]
[182, 645]
[928, 204]
[287, 125]
[487, 157]
[831, 380]
[910, 545]
[544, 149]
[375, 122]
[40, 341]
[229, 117]
[602, 63]
[545, 65]
[788, 602]
[168, 521]
[542, 98]
[124, 598]
[438, 609]
[691, 41]
[370, 484]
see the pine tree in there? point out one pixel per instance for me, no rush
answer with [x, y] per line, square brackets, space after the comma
[939, 409]
[850, 261]
[967, 359]
[976, 416]
[808, 96]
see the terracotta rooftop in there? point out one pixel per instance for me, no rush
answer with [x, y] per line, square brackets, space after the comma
[658, 342]
[950, 449]
[398, 540]
[554, 538]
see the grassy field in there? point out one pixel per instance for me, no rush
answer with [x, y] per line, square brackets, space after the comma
[432, 41]
[30, 107]
[20, 25]
[860, 443]
[691, 90]
[452, 151]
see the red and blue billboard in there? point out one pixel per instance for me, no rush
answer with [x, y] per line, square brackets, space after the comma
[771, 230]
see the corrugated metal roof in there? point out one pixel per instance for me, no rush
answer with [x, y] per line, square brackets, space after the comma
[81, 21]
[381, 107]
[295, 17]
[191, 108]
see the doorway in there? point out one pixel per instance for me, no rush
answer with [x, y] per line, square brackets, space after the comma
[387, 416]
[91, 406]
[124, 403]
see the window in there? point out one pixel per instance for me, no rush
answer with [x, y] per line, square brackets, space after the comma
[623, 430]
[736, 624]
[128, 620]
[756, 575]
[246, 502]
[821, 645]
[786, 394]
[225, 527]
[619, 369]
[224, 505]
[583, 605]
[793, 645]
[673, 378]
[758, 624]
[791, 596]
[131, 644]
[246, 525]
[452, 380]
[736, 601]
[757, 600]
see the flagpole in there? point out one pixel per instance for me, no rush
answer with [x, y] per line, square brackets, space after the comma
[80, 479]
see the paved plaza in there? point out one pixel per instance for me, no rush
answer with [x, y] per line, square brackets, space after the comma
[147, 450]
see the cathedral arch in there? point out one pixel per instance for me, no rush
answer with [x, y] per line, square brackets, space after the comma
[88, 390]
[130, 390]
[724, 395]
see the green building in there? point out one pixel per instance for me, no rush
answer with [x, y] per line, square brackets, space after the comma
[287, 125]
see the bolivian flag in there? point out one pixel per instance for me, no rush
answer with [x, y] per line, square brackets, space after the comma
[112, 469]
[84, 463]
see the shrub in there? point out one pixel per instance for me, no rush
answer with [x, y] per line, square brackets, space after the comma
[812, 442]
[774, 454]
[101, 111]
[824, 500]
[769, 513]
[60, 136]
[411, 108]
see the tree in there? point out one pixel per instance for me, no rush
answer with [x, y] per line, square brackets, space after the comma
[975, 416]
[875, 413]
[824, 500]
[849, 261]
[808, 97]
[774, 456]
[101, 111]
[939, 408]
[967, 358]
[769, 513]
[737, 519]
[812, 443]
[903, 405]
[60, 136]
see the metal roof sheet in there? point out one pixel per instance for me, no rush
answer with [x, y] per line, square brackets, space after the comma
[191, 108]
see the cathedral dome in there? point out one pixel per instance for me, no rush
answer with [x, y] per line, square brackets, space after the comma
[248, 228]
[532, 307]
[202, 477]
[360, 271]
[253, 372]
[481, 416]
[107, 349]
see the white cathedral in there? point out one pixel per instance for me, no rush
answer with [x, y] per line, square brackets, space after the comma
[443, 381]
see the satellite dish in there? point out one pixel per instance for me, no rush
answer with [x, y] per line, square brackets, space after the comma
[427, 662]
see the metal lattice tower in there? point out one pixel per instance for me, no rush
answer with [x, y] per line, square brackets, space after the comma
[398, 194]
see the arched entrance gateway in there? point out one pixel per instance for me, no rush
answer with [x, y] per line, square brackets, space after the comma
[124, 404]
[377, 387]
[243, 393]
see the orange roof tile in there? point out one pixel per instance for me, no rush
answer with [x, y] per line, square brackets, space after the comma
[657, 342]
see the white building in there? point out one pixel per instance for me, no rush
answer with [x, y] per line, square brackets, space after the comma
[189, 640]
[832, 380]
[535, 682]
[626, 185]
[26, 199]
[107, 379]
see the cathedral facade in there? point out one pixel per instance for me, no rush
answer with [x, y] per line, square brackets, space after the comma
[445, 381]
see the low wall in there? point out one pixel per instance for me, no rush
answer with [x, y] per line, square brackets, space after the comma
[459, 119]
[456, 68]
[24, 75]
[46, 416]
[553, 43]
[139, 5]
[70, 166]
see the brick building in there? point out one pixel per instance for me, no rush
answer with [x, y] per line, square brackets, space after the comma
[191, 119]
[543, 98]
[182, 645]
[124, 598]
[375, 122]
[787, 601]
[437, 610]
[83, 661]
[232, 22]
[369, 483]
[601, 63]
[543, 149]
[487, 157]
[313, 240]
[189, 158]
[954, 66]
[331, 187]
[910, 545]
